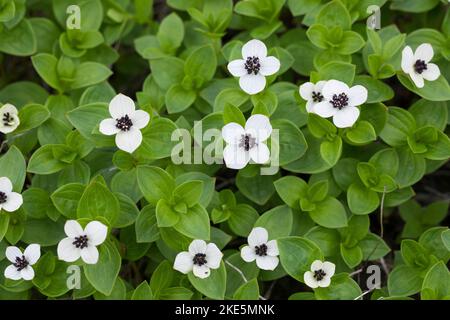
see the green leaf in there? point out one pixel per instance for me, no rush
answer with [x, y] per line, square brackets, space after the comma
[214, 286]
[352, 256]
[258, 188]
[194, 223]
[242, 219]
[170, 33]
[189, 192]
[66, 199]
[412, 168]
[45, 161]
[291, 142]
[201, 63]
[333, 14]
[31, 116]
[167, 71]
[342, 287]
[400, 124]
[437, 90]
[142, 292]
[45, 65]
[373, 247]
[146, 225]
[166, 215]
[98, 201]
[88, 74]
[277, 221]
[437, 280]
[162, 277]
[377, 90]
[13, 166]
[351, 42]
[248, 291]
[362, 200]
[329, 213]
[404, 281]
[155, 183]
[18, 41]
[290, 189]
[102, 275]
[305, 253]
[233, 114]
[179, 99]
[331, 150]
[318, 191]
[338, 70]
[157, 139]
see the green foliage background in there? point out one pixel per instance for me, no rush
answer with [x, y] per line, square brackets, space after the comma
[326, 201]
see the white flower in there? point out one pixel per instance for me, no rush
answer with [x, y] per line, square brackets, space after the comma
[81, 242]
[340, 102]
[254, 67]
[245, 144]
[9, 119]
[125, 123]
[21, 263]
[320, 274]
[312, 93]
[260, 249]
[9, 201]
[200, 258]
[418, 65]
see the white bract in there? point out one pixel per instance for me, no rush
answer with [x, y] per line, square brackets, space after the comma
[320, 274]
[9, 201]
[82, 243]
[312, 93]
[125, 123]
[418, 65]
[21, 267]
[340, 101]
[199, 259]
[254, 67]
[9, 118]
[260, 249]
[245, 144]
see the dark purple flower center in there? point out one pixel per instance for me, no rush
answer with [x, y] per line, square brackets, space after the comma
[124, 123]
[3, 197]
[81, 242]
[339, 101]
[200, 259]
[7, 119]
[247, 142]
[21, 263]
[252, 65]
[420, 66]
[317, 96]
[261, 250]
[319, 274]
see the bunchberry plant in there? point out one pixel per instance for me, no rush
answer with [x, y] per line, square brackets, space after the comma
[219, 149]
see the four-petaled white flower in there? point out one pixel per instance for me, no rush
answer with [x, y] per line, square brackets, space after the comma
[245, 144]
[312, 93]
[260, 249]
[254, 67]
[320, 274]
[125, 123]
[418, 65]
[199, 258]
[9, 201]
[21, 267]
[82, 243]
[340, 102]
[9, 119]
